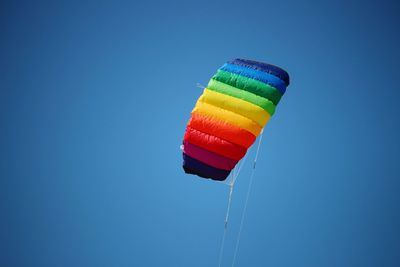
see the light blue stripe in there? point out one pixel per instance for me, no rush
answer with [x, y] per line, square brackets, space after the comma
[257, 75]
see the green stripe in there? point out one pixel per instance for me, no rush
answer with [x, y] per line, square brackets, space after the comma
[226, 89]
[250, 85]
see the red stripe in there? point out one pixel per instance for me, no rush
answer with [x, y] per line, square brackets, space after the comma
[214, 144]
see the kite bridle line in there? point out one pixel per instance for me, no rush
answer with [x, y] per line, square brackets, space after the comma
[231, 184]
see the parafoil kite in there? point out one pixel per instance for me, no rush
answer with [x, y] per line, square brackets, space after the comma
[233, 109]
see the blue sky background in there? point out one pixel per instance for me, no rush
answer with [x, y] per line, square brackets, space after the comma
[94, 100]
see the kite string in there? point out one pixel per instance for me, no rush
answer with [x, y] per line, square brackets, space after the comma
[221, 251]
[239, 169]
[229, 204]
[235, 174]
[247, 200]
[199, 85]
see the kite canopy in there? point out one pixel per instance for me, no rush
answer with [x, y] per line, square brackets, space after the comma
[233, 109]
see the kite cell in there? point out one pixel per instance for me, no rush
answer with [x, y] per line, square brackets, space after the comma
[227, 118]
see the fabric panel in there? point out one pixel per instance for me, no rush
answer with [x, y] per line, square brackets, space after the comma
[236, 105]
[214, 144]
[228, 116]
[208, 157]
[272, 69]
[221, 129]
[193, 166]
[257, 75]
[250, 85]
[227, 89]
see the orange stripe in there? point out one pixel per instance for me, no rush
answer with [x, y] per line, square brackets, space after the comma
[222, 130]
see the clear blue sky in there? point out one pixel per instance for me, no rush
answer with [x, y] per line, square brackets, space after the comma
[94, 100]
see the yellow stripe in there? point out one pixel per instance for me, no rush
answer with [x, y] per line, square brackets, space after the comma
[228, 116]
[239, 106]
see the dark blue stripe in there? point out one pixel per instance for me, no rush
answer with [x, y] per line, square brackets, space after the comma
[282, 74]
[193, 166]
[257, 75]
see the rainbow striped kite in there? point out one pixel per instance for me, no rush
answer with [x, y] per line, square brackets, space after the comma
[237, 103]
